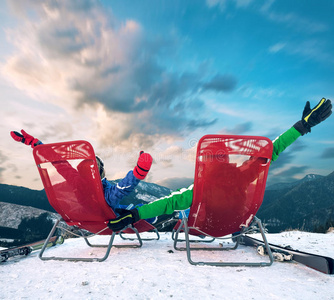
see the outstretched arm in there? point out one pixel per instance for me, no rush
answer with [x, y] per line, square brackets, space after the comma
[25, 138]
[115, 193]
[63, 167]
[310, 118]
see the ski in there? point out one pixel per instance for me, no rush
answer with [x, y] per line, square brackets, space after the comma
[16, 251]
[25, 250]
[320, 263]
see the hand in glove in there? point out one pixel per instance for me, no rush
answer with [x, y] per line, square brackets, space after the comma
[312, 117]
[143, 165]
[126, 217]
[25, 138]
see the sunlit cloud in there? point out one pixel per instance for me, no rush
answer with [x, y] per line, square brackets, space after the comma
[83, 60]
[128, 81]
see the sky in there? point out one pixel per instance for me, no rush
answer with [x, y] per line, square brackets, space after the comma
[158, 75]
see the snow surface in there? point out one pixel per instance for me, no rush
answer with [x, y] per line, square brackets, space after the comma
[157, 271]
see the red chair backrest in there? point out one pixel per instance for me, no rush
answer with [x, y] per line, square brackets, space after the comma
[230, 178]
[73, 185]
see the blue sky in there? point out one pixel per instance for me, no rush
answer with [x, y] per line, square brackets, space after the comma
[157, 75]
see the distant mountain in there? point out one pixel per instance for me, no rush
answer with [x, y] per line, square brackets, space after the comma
[12, 214]
[145, 192]
[307, 204]
[19, 205]
[24, 196]
[21, 224]
[289, 185]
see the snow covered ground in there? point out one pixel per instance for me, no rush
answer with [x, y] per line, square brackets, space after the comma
[157, 271]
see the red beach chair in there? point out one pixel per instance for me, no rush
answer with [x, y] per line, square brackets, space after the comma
[73, 186]
[230, 178]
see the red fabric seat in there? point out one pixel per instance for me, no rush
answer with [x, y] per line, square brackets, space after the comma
[230, 179]
[73, 186]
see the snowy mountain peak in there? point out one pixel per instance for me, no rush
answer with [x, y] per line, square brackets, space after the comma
[311, 177]
[288, 185]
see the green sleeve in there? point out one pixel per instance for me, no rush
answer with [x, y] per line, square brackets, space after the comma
[178, 200]
[283, 141]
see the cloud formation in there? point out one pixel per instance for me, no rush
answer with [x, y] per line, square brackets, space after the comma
[241, 129]
[151, 81]
[221, 83]
[77, 56]
[289, 175]
[222, 4]
[328, 153]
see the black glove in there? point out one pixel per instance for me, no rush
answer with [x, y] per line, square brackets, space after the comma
[312, 117]
[126, 217]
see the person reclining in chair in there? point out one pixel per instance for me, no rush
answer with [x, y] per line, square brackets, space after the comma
[182, 199]
[113, 193]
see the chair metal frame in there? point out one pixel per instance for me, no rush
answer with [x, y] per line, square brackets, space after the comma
[184, 227]
[180, 224]
[251, 222]
[121, 234]
[100, 259]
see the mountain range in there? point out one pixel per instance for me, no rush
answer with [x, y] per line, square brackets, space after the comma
[306, 204]
[24, 211]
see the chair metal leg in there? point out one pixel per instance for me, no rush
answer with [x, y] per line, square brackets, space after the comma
[121, 234]
[228, 264]
[203, 240]
[108, 246]
[182, 228]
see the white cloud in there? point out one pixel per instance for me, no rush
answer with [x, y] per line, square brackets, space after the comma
[277, 47]
[76, 56]
[243, 3]
[66, 57]
[292, 20]
[262, 93]
[83, 74]
[64, 52]
[314, 49]
[296, 22]
[223, 3]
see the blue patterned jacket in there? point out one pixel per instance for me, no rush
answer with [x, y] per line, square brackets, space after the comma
[114, 193]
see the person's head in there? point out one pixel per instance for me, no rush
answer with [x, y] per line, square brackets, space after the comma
[100, 165]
